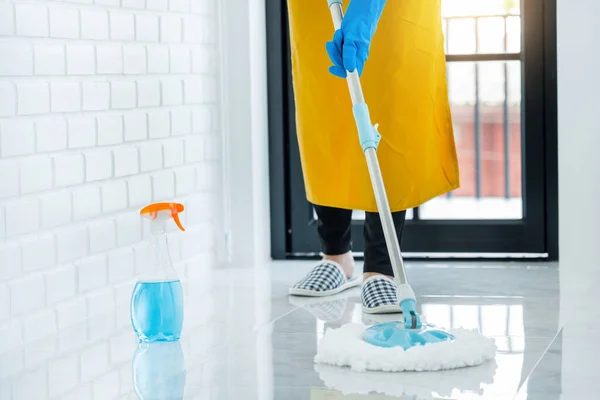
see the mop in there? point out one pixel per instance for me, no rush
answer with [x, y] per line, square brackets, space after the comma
[410, 344]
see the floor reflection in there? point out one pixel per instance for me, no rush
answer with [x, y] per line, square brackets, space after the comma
[158, 371]
[523, 327]
[245, 338]
[467, 383]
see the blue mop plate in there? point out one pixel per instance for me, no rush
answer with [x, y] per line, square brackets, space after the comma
[392, 334]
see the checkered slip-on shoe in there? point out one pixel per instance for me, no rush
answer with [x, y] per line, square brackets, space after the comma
[325, 279]
[379, 296]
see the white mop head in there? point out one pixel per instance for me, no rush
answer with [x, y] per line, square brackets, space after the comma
[345, 347]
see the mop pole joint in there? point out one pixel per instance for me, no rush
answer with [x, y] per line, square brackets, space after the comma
[408, 305]
[412, 320]
[367, 134]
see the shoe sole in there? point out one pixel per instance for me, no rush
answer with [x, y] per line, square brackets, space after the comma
[313, 293]
[382, 310]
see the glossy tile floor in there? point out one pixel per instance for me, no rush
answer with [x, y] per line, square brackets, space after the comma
[245, 338]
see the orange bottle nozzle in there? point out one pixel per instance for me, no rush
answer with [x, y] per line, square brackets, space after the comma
[171, 210]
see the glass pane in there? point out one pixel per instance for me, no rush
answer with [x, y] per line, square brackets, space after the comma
[490, 32]
[476, 8]
[460, 37]
[513, 34]
[472, 27]
[485, 98]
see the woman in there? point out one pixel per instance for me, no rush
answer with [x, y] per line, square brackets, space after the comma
[404, 83]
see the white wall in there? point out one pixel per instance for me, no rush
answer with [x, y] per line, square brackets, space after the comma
[244, 69]
[578, 127]
[579, 191]
[578, 143]
[105, 106]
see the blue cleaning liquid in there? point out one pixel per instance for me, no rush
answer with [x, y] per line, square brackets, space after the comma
[157, 311]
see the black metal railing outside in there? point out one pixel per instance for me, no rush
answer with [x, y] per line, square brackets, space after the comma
[476, 57]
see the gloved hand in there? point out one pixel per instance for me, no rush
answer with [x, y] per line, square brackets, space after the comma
[350, 46]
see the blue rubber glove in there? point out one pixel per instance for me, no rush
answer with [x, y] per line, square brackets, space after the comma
[350, 46]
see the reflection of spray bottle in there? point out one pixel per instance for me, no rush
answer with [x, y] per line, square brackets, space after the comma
[159, 371]
[157, 299]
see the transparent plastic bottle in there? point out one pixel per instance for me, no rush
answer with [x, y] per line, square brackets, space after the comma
[157, 298]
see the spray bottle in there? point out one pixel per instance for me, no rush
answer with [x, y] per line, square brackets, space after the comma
[157, 298]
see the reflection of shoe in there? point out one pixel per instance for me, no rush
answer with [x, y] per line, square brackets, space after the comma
[379, 295]
[325, 279]
[328, 310]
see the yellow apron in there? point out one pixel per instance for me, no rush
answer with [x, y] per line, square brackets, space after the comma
[404, 83]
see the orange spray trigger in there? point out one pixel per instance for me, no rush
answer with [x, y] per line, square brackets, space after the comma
[178, 222]
[163, 211]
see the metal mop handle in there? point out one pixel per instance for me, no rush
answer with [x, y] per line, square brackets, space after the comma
[370, 149]
[369, 138]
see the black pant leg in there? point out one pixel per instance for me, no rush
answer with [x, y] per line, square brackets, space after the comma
[334, 226]
[377, 258]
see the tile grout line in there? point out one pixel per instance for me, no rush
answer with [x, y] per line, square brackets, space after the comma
[538, 361]
[256, 329]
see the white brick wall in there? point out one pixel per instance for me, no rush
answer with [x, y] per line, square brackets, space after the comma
[105, 106]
